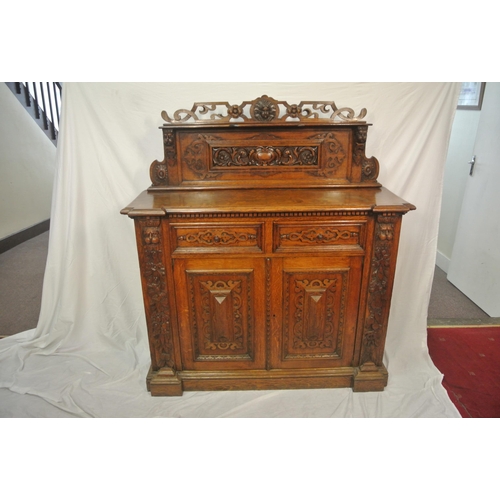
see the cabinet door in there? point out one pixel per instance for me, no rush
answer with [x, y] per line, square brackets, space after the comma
[314, 326]
[221, 313]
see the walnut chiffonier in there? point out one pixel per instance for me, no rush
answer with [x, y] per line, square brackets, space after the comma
[267, 250]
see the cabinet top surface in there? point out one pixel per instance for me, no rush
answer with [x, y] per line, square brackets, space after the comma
[265, 201]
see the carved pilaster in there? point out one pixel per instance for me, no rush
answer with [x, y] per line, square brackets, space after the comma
[268, 314]
[155, 292]
[380, 288]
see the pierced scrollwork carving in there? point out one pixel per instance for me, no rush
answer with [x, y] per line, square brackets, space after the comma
[264, 109]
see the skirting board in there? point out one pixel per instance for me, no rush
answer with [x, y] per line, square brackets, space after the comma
[442, 261]
[24, 235]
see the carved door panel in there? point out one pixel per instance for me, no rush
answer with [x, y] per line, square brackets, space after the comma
[220, 308]
[315, 326]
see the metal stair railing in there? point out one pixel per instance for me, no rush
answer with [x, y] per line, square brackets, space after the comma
[42, 100]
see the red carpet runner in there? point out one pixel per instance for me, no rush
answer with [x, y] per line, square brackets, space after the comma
[469, 358]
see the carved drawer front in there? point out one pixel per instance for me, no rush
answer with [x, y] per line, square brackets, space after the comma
[318, 236]
[221, 304]
[217, 238]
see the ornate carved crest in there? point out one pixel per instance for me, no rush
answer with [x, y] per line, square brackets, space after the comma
[264, 109]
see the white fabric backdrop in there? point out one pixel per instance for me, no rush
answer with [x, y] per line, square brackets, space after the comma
[88, 356]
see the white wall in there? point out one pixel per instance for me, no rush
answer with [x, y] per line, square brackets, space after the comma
[27, 166]
[460, 152]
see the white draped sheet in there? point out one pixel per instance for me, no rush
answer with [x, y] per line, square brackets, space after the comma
[89, 355]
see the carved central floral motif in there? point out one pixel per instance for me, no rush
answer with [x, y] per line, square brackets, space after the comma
[264, 110]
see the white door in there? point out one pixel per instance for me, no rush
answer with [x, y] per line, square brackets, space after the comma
[475, 262]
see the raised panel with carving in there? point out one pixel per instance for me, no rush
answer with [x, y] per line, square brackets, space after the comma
[318, 323]
[222, 304]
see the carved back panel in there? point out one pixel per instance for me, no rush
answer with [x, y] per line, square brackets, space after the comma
[277, 145]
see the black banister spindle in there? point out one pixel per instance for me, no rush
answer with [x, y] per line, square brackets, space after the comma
[35, 98]
[57, 106]
[27, 95]
[52, 129]
[45, 120]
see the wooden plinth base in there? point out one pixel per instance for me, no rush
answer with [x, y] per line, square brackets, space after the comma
[166, 382]
[370, 378]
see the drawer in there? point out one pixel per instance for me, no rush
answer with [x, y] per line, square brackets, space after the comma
[318, 236]
[224, 237]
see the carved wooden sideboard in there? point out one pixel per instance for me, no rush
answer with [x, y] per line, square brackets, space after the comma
[267, 250]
